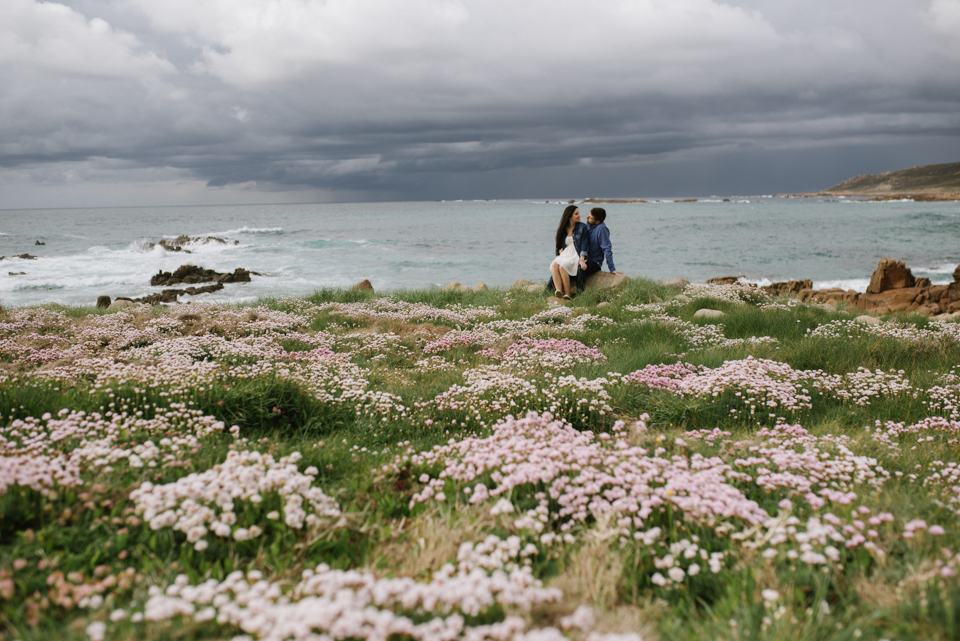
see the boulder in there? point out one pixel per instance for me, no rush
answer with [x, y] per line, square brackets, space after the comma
[890, 274]
[675, 282]
[603, 304]
[834, 295]
[708, 313]
[120, 303]
[520, 284]
[723, 280]
[103, 301]
[922, 282]
[604, 280]
[683, 298]
[26, 257]
[867, 320]
[479, 287]
[363, 285]
[533, 289]
[929, 309]
[956, 274]
[456, 287]
[17, 273]
[39, 243]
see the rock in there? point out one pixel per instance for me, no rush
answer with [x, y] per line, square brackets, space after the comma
[929, 309]
[191, 275]
[867, 320]
[520, 284]
[835, 295]
[830, 306]
[26, 257]
[890, 274]
[723, 280]
[708, 313]
[788, 287]
[893, 300]
[455, 287]
[956, 274]
[17, 273]
[120, 303]
[363, 285]
[683, 298]
[604, 280]
[553, 301]
[675, 282]
[953, 308]
[533, 289]
[603, 304]
[922, 282]
[480, 287]
[39, 243]
[103, 301]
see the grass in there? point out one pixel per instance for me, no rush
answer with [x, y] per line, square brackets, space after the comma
[354, 444]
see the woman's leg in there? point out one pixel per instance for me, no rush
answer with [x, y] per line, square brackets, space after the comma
[565, 278]
[556, 270]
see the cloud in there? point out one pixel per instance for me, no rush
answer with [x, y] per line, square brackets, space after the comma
[375, 98]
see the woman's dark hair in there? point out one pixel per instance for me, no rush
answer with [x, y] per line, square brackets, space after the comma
[564, 223]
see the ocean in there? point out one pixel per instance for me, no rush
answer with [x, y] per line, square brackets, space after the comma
[301, 248]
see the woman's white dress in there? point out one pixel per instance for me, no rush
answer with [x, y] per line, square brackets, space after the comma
[568, 258]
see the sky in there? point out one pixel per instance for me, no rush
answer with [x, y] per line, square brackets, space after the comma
[176, 102]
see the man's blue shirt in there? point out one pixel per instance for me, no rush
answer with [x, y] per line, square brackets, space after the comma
[600, 246]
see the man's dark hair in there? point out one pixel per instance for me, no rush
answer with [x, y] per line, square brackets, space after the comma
[599, 214]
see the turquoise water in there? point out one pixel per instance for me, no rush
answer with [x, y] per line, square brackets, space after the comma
[299, 248]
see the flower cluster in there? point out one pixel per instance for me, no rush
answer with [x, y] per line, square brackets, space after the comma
[206, 502]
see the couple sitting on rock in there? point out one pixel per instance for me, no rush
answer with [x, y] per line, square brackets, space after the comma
[581, 249]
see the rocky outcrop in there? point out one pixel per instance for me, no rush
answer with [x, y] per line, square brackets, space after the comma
[788, 287]
[39, 243]
[892, 288]
[180, 243]
[723, 280]
[103, 301]
[890, 274]
[677, 282]
[191, 275]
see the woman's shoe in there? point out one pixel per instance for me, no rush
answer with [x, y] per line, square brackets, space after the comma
[558, 294]
[566, 297]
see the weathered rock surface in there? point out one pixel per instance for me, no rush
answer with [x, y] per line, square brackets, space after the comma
[103, 301]
[788, 287]
[890, 274]
[479, 287]
[604, 280]
[675, 282]
[120, 303]
[520, 284]
[867, 320]
[191, 274]
[708, 313]
[723, 280]
[683, 298]
[364, 285]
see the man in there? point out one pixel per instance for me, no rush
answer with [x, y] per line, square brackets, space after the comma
[600, 247]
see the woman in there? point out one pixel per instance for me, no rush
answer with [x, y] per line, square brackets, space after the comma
[572, 251]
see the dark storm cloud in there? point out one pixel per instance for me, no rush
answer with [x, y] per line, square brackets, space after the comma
[445, 98]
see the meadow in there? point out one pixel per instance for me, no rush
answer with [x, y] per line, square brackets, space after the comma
[434, 466]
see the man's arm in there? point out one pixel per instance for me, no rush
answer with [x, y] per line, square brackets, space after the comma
[607, 247]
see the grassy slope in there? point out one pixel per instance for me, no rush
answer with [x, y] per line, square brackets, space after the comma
[924, 179]
[866, 600]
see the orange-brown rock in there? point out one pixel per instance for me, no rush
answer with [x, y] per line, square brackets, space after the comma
[789, 287]
[894, 300]
[890, 274]
[922, 282]
[723, 280]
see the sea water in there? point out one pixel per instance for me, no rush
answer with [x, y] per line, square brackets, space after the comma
[301, 248]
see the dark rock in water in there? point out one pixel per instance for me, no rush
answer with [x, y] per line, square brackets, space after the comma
[26, 257]
[723, 280]
[39, 243]
[17, 273]
[179, 243]
[191, 275]
[890, 274]
[103, 301]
